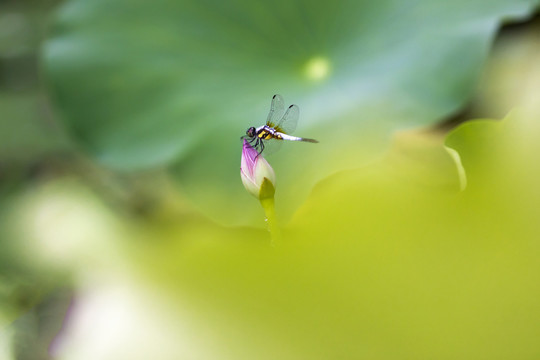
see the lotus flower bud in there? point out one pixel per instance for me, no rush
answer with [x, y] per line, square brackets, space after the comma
[257, 175]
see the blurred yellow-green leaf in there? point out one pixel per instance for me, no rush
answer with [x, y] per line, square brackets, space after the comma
[389, 261]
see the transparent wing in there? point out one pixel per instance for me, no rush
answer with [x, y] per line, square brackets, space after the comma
[271, 146]
[288, 122]
[276, 111]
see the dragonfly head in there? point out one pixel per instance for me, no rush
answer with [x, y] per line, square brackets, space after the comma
[251, 132]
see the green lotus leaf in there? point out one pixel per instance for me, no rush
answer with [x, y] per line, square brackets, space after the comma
[389, 261]
[501, 156]
[145, 84]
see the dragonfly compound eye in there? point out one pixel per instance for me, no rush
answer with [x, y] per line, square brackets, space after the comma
[250, 132]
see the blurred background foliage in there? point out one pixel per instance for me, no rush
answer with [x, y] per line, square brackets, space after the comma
[23, 27]
[121, 198]
[178, 82]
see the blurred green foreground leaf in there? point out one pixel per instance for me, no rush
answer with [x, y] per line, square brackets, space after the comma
[390, 261]
[145, 84]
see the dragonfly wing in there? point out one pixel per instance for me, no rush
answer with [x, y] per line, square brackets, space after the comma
[288, 122]
[276, 111]
[271, 146]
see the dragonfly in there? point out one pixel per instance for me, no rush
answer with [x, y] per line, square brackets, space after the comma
[279, 125]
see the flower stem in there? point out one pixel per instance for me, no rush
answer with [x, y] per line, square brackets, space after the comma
[270, 212]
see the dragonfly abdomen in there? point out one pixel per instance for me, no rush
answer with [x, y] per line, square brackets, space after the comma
[293, 138]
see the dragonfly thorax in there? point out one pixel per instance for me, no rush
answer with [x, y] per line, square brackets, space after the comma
[265, 132]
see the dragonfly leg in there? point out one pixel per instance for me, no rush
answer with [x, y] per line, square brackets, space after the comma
[261, 143]
[252, 140]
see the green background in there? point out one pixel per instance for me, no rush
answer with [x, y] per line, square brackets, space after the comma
[125, 230]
